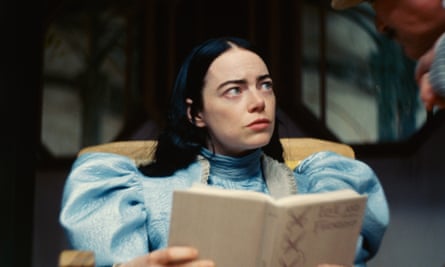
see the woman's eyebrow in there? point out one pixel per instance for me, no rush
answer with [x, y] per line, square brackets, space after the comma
[243, 81]
[240, 81]
[262, 77]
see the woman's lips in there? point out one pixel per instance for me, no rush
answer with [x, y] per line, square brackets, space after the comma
[259, 124]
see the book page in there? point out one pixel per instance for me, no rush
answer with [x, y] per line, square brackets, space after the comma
[230, 193]
[224, 225]
[329, 196]
[244, 228]
[311, 233]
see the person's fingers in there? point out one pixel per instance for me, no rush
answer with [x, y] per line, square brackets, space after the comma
[429, 98]
[199, 263]
[424, 64]
[426, 92]
[173, 255]
[330, 265]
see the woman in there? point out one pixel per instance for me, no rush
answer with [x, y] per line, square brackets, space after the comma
[220, 131]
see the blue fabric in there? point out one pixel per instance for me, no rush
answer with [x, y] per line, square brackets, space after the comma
[111, 208]
[240, 173]
[328, 172]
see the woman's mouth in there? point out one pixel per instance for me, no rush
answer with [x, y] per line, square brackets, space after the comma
[259, 124]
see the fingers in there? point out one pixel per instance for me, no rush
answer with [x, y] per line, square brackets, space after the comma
[199, 263]
[173, 254]
[429, 98]
[330, 265]
[171, 257]
[178, 257]
[424, 64]
[426, 92]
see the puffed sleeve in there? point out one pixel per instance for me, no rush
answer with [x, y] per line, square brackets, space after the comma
[327, 171]
[103, 208]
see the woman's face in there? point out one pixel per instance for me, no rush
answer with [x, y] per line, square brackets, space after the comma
[238, 103]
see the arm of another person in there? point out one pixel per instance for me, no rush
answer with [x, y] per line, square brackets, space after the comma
[328, 171]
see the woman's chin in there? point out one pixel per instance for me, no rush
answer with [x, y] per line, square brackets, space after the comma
[260, 141]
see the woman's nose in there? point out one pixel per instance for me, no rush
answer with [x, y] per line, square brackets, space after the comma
[257, 102]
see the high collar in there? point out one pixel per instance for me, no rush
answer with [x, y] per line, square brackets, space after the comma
[279, 178]
[234, 168]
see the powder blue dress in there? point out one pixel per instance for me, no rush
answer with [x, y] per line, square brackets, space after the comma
[110, 207]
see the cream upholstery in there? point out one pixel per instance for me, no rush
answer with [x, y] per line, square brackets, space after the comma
[295, 149]
[76, 258]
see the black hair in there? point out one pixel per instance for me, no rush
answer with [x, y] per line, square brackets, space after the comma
[181, 141]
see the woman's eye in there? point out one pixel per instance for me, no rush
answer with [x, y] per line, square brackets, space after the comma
[267, 85]
[233, 91]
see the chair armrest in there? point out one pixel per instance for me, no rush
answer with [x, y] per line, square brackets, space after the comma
[142, 152]
[76, 258]
[297, 149]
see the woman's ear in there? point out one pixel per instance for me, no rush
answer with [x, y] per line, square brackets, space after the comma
[197, 119]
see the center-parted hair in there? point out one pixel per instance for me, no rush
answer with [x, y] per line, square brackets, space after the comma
[181, 141]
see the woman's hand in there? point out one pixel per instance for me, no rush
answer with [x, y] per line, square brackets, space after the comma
[172, 257]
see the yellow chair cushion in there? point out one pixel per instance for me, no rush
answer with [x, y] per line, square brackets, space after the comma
[295, 149]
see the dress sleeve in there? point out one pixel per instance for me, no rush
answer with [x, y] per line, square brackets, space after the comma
[327, 171]
[103, 208]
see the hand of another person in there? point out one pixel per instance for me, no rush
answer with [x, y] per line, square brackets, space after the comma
[172, 257]
[428, 95]
[330, 265]
[424, 63]
[429, 98]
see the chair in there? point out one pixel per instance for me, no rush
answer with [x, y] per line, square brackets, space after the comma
[295, 150]
[76, 258]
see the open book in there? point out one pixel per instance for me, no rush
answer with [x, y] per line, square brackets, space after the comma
[237, 228]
